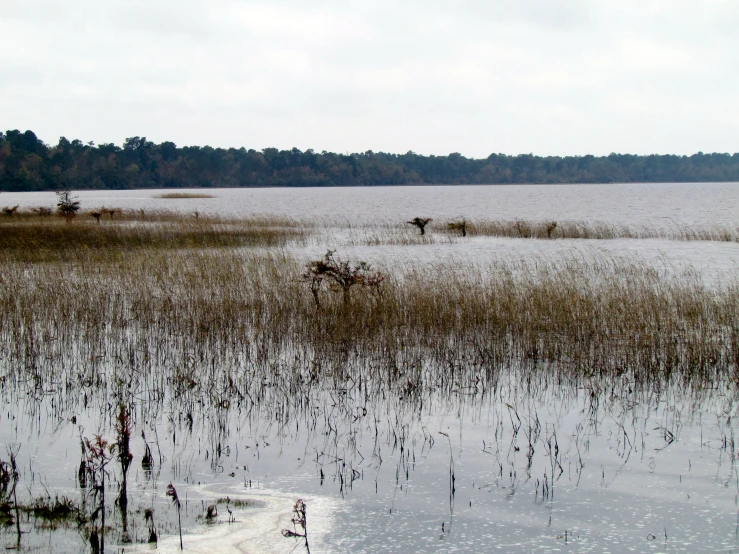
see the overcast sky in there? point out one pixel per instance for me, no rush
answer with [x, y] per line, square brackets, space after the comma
[432, 76]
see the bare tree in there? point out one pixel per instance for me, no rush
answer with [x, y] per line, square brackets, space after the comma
[342, 274]
[420, 222]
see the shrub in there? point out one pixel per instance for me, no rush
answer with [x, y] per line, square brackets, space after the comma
[343, 275]
[67, 205]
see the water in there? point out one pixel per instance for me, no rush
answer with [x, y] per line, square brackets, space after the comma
[650, 477]
[637, 203]
[654, 205]
[539, 466]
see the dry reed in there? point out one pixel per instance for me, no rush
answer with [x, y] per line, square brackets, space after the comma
[602, 317]
[596, 230]
[182, 195]
[34, 238]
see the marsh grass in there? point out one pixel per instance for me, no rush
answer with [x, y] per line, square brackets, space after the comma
[37, 238]
[152, 313]
[604, 316]
[150, 319]
[56, 512]
[183, 195]
[456, 232]
[593, 230]
[241, 502]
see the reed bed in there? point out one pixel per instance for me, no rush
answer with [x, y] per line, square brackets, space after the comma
[164, 293]
[183, 195]
[28, 235]
[402, 234]
[592, 230]
[213, 340]
[32, 238]
[166, 309]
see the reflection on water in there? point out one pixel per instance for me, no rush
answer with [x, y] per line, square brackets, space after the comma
[518, 467]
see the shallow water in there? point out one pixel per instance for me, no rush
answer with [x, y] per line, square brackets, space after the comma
[651, 474]
[665, 206]
[542, 467]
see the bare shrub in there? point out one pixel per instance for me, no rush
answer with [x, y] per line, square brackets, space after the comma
[421, 223]
[340, 274]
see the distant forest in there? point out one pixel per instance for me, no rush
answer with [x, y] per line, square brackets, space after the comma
[27, 164]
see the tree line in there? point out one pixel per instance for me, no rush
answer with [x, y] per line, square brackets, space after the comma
[28, 164]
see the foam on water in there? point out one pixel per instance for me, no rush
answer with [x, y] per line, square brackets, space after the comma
[256, 528]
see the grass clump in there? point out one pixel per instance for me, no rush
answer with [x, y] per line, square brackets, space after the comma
[182, 195]
[240, 502]
[591, 230]
[55, 512]
[39, 238]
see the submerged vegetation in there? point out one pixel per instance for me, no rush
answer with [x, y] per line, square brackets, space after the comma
[200, 327]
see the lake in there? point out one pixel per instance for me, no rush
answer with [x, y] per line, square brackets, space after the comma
[462, 453]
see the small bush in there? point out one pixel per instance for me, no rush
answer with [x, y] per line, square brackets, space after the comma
[67, 205]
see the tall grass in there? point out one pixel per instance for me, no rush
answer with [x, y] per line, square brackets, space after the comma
[591, 230]
[170, 308]
[183, 195]
[34, 238]
[220, 338]
[28, 231]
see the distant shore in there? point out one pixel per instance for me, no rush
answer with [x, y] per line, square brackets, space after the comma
[29, 164]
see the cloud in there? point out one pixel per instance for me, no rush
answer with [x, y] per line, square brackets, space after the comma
[434, 76]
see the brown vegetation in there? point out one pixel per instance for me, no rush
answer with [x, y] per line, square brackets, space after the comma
[182, 195]
[603, 316]
[141, 312]
[30, 237]
[594, 230]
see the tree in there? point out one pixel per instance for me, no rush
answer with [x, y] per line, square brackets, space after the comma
[420, 222]
[67, 205]
[341, 274]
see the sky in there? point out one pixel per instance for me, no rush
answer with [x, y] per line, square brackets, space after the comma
[548, 77]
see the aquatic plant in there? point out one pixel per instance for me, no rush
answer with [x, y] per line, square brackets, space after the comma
[125, 457]
[96, 455]
[149, 519]
[299, 520]
[172, 493]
